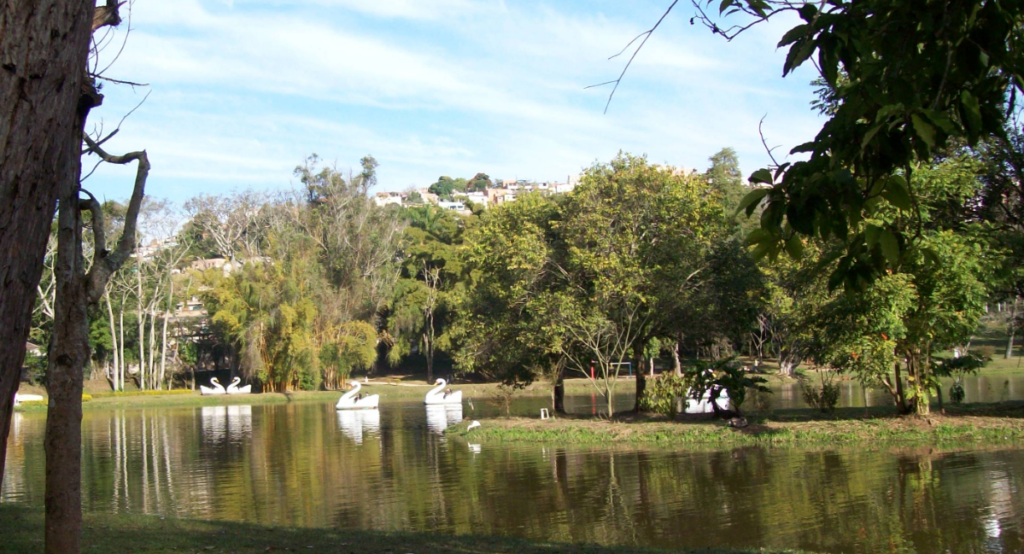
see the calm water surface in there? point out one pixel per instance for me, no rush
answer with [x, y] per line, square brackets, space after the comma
[307, 465]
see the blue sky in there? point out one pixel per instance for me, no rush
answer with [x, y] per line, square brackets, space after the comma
[243, 90]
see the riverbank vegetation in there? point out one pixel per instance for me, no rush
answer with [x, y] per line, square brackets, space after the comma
[104, 533]
[976, 425]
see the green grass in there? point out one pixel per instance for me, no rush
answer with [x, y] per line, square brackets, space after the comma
[973, 426]
[405, 391]
[106, 533]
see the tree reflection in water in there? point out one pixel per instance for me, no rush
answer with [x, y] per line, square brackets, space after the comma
[308, 465]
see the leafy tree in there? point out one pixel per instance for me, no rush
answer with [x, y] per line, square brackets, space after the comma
[638, 246]
[726, 179]
[267, 311]
[351, 346]
[502, 325]
[934, 302]
[918, 75]
[446, 187]
[479, 183]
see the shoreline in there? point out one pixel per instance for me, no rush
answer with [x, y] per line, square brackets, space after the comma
[387, 391]
[104, 533]
[976, 425]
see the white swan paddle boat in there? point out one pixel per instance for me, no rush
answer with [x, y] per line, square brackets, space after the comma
[216, 389]
[233, 388]
[438, 396]
[703, 406]
[19, 398]
[354, 423]
[442, 416]
[348, 401]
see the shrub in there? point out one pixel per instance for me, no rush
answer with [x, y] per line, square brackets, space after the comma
[503, 395]
[761, 402]
[724, 375]
[956, 391]
[824, 399]
[662, 394]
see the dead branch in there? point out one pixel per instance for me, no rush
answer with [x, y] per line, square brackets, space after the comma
[110, 14]
[646, 34]
[107, 263]
[764, 142]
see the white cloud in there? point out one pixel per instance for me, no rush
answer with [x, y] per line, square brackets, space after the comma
[243, 92]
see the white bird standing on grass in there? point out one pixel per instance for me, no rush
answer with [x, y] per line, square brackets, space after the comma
[473, 425]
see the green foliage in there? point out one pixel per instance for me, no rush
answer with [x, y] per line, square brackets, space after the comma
[479, 183]
[947, 78]
[824, 398]
[723, 376]
[445, 187]
[663, 392]
[956, 391]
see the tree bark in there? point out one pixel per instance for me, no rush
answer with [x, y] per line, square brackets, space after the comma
[901, 397]
[167, 311]
[641, 386]
[113, 339]
[69, 352]
[44, 47]
[1011, 330]
[677, 364]
[154, 379]
[124, 364]
[558, 394]
[69, 345]
[142, 323]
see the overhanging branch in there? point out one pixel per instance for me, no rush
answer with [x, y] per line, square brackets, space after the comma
[106, 263]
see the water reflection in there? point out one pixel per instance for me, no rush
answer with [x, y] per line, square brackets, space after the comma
[440, 417]
[353, 423]
[226, 423]
[306, 465]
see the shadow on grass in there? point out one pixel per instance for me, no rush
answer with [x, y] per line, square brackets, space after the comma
[104, 533]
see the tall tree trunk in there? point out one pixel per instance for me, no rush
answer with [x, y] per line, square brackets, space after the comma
[113, 337]
[901, 396]
[1011, 329]
[921, 403]
[558, 400]
[152, 347]
[641, 383]
[677, 365]
[69, 352]
[69, 346]
[142, 324]
[44, 47]
[120, 325]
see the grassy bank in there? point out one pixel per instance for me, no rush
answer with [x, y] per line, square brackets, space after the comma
[105, 533]
[987, 425]
[388, 391]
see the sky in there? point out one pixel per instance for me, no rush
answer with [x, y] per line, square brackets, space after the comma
[240, 92]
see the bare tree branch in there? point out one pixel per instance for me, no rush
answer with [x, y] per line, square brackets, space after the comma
[110, 14]
[106, 263]
[646, 34]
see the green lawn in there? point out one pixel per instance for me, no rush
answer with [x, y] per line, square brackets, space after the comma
[388, 390]
[107, 534]
[969, 425]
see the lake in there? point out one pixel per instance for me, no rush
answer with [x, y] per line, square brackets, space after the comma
[307, 465]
